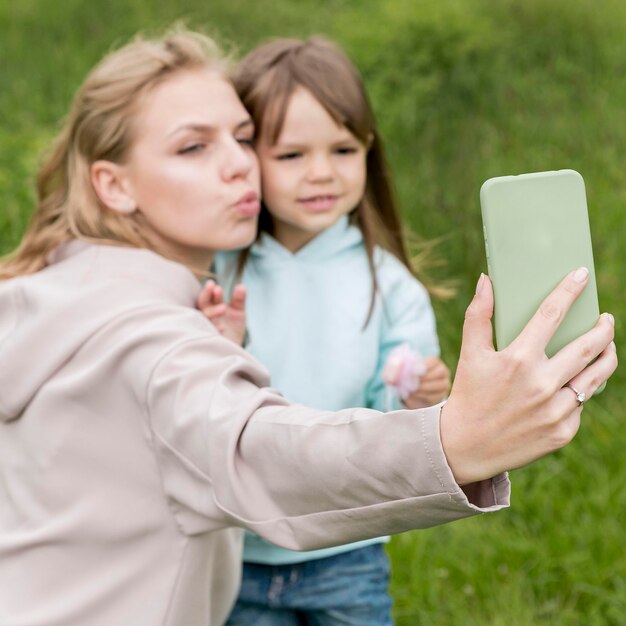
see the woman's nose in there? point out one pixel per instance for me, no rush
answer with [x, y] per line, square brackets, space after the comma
[239, 160]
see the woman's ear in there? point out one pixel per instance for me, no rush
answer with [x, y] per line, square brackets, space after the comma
[370, 141]
[108, 182]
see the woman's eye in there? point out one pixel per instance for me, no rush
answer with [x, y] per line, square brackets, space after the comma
[192, 148]
[246, 141]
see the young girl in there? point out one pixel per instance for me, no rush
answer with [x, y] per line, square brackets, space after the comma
[331, 296]
[136, 442]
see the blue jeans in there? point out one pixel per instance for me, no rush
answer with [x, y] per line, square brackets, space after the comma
[346, 588]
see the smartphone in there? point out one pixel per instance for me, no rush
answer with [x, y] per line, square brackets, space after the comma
[536, 229]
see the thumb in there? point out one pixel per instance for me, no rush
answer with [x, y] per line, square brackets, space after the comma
[238, 299]
[205, 295]
[431, 362]
[477, 330]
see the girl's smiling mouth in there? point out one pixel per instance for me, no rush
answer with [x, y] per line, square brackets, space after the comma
[320, 202]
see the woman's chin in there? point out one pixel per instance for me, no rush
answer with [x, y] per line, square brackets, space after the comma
[243, 241]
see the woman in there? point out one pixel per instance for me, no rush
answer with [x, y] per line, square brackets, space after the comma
[136, 442]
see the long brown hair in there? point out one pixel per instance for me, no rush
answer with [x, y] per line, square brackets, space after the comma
[100, 126]
[265, 81]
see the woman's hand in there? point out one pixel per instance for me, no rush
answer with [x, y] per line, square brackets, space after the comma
[511, 407]
[229, 319]
[434, 385]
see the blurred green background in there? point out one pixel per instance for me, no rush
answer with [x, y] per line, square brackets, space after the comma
[463, 90]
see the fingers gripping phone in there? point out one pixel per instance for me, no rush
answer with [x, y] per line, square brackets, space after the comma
[536, 229]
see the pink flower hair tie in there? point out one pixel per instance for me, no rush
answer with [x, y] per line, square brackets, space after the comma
[403, 369]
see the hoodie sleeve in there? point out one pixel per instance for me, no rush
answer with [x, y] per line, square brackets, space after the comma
[407, 317]
[231, 451]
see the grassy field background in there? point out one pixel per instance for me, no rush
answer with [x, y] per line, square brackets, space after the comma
[463, 90]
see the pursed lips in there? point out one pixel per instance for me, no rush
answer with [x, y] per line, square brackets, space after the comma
[248, 205]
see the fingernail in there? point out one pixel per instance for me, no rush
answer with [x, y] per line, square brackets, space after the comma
[580, 275]
[610, 318]
[613, 346]
[479, 285]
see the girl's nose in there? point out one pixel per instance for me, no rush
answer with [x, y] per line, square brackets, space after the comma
[320, 168]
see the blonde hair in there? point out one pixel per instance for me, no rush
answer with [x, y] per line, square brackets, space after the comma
[100, 126]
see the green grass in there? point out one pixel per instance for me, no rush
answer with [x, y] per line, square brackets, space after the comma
[463, 90]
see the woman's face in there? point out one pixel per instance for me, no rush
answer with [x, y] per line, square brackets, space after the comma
[313, 174]
[191, 170]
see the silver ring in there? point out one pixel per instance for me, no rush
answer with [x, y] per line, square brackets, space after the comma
[580, 395]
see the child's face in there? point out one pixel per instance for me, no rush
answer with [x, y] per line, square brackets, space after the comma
[314, 174]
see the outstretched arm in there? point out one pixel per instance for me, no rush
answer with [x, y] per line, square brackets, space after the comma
[232, 451]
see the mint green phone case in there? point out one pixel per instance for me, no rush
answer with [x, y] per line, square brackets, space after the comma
[536, 230]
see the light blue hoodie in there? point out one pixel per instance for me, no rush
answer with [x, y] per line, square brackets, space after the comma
[306, 315]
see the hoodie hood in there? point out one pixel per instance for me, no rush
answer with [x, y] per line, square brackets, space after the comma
[268, 255]
[328, 245]
[46, 317]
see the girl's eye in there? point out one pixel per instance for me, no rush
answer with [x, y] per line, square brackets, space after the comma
[288, 156]
[346, 150]
[246, 141]
[192, 148]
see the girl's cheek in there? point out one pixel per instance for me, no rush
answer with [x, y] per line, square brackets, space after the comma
[274, 178]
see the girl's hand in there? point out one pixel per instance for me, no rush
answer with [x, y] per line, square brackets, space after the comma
[511, 407]
[229, 319]
[434, 385]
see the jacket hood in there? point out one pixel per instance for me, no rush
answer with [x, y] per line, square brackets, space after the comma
[46, 317]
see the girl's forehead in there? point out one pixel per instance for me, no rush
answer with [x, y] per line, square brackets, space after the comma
[301, 114]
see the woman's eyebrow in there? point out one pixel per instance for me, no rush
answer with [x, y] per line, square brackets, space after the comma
[200, 128]
[208, 128]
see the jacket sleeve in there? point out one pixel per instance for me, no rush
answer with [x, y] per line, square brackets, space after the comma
[407, 317]
[231, 451]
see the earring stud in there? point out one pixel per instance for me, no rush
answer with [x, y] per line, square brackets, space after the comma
[128, 207]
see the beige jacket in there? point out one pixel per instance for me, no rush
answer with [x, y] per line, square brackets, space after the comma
[136, 443]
